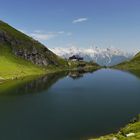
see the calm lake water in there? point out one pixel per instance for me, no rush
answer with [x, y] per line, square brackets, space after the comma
[68, 106]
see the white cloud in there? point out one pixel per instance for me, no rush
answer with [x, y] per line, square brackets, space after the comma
[43, 36]
[80, 20]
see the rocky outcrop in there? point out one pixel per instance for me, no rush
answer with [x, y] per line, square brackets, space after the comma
[28, 48]
[34, 56]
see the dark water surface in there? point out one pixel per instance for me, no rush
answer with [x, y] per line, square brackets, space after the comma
[74, 107]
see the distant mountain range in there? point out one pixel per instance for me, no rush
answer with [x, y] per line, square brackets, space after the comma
[104, 57]
[133, 65]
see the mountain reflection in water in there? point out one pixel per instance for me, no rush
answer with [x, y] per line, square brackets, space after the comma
[32, 85]
[68, 105]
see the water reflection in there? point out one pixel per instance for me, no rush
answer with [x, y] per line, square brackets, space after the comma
[96, 104]
[30, 85]
[135, 72]
[33, 85]
[79, 73]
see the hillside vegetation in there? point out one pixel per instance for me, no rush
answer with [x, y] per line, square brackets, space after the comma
[133, 64]
[12, 66]
[27, 48]
[21, 55]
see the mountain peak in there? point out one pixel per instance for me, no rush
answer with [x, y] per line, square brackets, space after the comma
[103, 56]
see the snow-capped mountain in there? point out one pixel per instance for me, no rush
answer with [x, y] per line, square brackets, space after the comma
[104, 57]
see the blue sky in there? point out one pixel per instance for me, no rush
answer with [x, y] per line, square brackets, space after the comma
[81, 23]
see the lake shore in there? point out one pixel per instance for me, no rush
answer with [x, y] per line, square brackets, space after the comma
[45, 71]
[130, 132]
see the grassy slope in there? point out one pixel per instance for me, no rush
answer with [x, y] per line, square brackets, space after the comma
[28, 43]
[133, 64]
[12, 66]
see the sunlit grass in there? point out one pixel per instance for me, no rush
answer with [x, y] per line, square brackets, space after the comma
[13, 67]
[133, 64]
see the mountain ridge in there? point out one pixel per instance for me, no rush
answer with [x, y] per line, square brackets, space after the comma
[26, 47]
[104, 57]
[21, 55]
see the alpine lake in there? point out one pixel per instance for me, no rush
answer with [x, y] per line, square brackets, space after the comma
[74, 105]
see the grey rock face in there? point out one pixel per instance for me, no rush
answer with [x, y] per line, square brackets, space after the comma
[28, 50]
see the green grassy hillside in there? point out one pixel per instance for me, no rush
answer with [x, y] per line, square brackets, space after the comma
[133, 64]
[21, 55]
[12, 66]
[26, 47]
